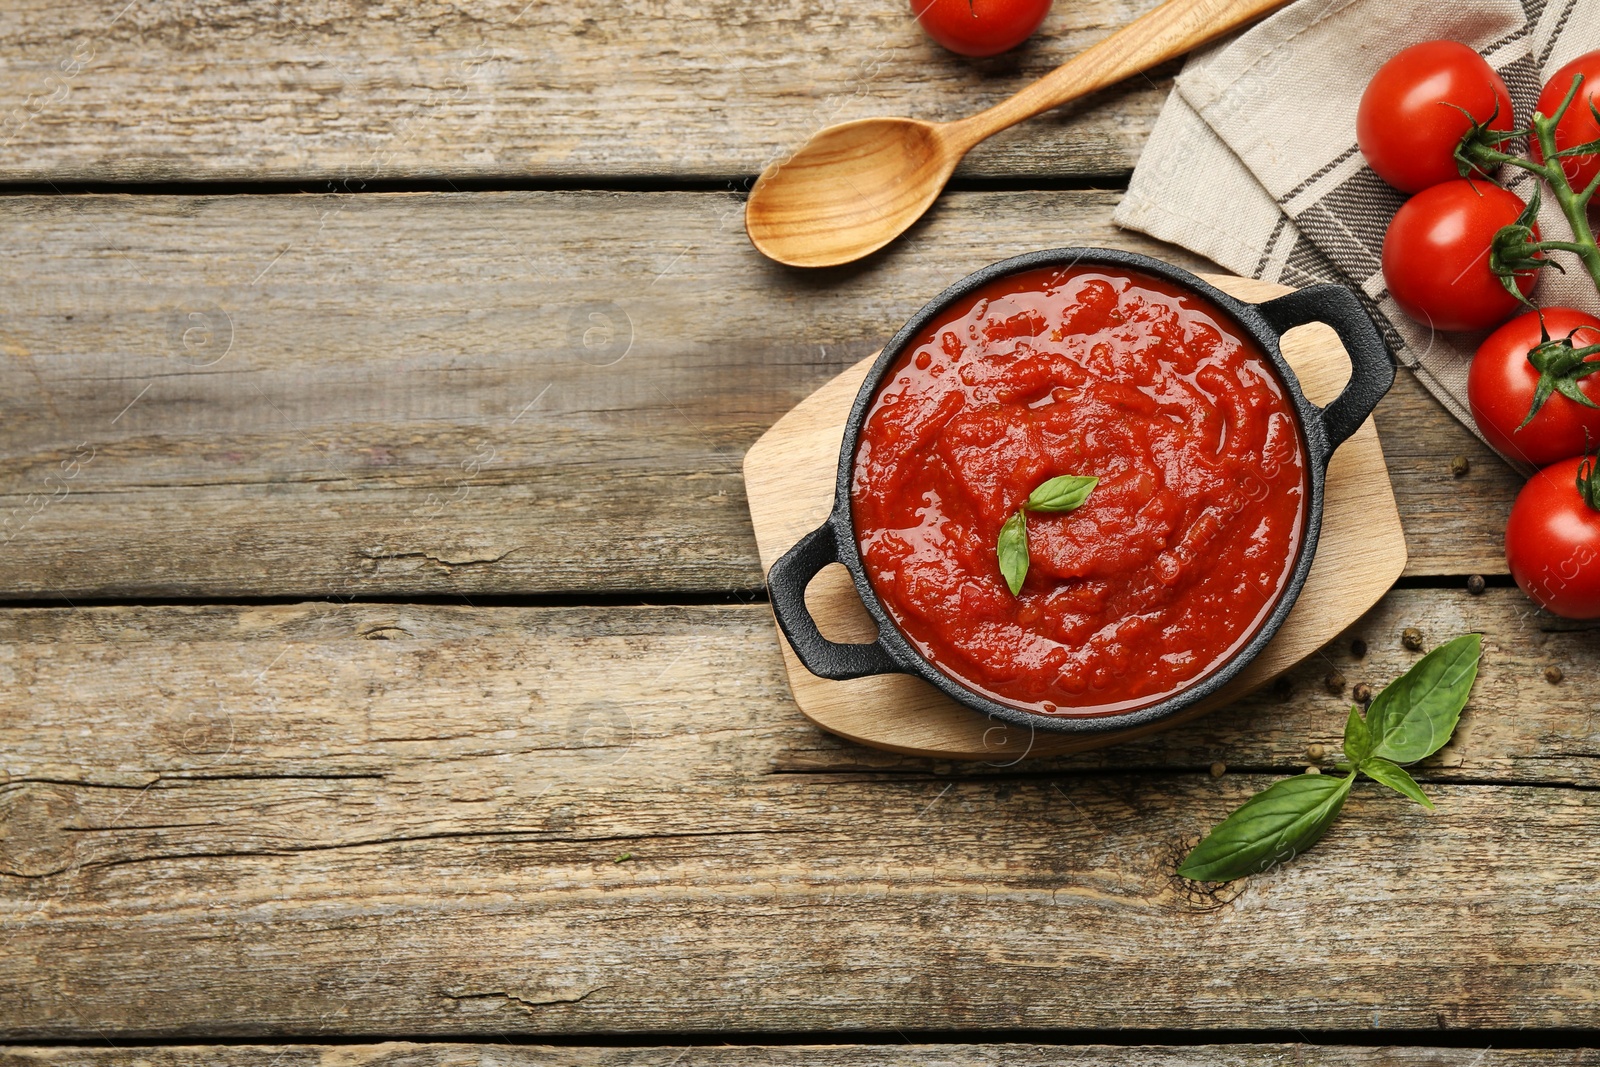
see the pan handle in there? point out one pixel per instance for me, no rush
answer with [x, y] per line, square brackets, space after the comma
[1372, 366]
[787, 582]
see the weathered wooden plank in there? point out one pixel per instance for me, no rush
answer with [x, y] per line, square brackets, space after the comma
[415, 1054]
[849, 904]
[378, 819]
[489, 393]
[125, 696]
[1455, 523]
[341, 92]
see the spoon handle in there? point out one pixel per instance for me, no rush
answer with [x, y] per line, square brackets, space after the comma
[1174, 28]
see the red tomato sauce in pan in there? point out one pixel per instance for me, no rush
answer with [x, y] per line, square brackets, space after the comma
[1181, 550]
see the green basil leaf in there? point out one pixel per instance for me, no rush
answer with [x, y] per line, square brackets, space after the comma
[1066, 493]
[1012, 550]
[1395, 777]
[1273, 826]
[1357, 738]
[1414, 717]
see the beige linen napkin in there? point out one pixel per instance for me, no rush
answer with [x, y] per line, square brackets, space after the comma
[1253, 161]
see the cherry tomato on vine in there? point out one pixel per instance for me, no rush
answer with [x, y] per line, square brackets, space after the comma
[1436, 256]
[1410, 119]
[1553, 539]
[1503, 386]
[1578, 125]
[980, 27]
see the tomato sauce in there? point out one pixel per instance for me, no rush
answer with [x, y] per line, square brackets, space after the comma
[1181, 550]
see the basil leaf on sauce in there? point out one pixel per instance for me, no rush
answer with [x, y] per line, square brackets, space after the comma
[1395, 777]
[1414, 717]
[1058, 495]
[1271, 827]
[1357, 738]
[1012, 550]
[1066, 493]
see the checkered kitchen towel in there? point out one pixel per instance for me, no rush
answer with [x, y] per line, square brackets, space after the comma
[1253, 162]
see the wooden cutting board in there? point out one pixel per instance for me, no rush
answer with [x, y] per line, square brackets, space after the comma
[789, 479]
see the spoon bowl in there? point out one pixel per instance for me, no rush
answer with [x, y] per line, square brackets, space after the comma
[849, 191]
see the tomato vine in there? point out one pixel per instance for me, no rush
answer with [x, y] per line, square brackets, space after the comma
[1517, 248]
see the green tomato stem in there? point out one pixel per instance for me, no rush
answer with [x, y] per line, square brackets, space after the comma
[1486, 159]
[1560, 246]
[1574, 206]
[1516, 161]
[1588, 193]
[1589, 481]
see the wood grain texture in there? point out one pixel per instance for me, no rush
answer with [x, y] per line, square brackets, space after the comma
[120, 696]
[414, 1054]
[383, 819]
[487, 393]
[344, 92]
[789, 480]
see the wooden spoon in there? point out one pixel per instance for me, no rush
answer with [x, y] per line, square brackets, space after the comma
[856, 186]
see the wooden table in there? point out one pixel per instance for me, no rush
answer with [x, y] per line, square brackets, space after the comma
[386, 656]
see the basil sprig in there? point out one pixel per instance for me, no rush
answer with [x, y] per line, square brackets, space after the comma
[1410, 720]
[1055, 497]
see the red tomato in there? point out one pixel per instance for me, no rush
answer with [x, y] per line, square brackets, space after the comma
[1436, 256]
[980, 27]
[1553, 540]
[1577, 125]
[1502, 382]
[1408, 124]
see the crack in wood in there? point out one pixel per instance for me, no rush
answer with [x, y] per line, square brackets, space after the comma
[526, 836]
[379, 555]
[527, 1002]
[383, 632]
